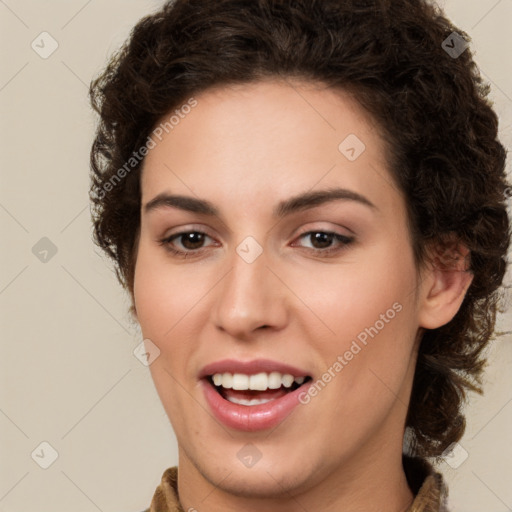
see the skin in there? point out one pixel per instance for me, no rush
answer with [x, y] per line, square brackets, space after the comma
[245, 148]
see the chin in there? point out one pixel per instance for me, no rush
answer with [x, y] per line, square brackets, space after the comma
[260, 482]
[273, 476]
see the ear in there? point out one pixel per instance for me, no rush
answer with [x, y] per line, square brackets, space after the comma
[445, 281]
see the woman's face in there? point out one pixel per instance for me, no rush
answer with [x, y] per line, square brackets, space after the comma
[294, 259]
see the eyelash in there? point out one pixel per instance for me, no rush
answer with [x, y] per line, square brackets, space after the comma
[342, 239]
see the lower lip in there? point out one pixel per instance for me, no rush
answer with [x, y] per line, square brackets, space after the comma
[251, 418]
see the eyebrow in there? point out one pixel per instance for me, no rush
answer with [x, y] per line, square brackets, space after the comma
[294, 204]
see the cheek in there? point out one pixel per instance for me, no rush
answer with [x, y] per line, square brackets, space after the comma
[353, 295]
[369, 309]
[164, 295]
[164, 302]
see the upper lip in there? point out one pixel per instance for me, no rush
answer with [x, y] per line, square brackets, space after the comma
[250, 368]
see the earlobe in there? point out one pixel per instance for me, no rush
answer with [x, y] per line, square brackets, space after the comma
[445, 283]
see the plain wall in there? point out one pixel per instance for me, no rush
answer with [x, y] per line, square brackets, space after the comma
[68, 374]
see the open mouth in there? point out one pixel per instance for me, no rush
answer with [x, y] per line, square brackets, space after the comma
[257, 389]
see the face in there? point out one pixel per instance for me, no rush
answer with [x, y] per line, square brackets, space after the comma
[275, 274]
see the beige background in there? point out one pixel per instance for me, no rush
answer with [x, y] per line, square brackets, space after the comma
[68, 374]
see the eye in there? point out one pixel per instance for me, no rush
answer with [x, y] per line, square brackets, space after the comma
[188, 242]
[322, 242]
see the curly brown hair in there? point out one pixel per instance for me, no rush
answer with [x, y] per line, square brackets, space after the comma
[430, 105]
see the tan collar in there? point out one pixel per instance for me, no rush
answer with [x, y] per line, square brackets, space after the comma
[427, 485]
[430, 497]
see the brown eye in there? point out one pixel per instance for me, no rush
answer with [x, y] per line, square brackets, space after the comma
[192, 240]
[326, 242]
[186, 243]
[321, 240]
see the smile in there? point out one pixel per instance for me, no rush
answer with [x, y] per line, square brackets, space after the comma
[252, 396]
[251, 390]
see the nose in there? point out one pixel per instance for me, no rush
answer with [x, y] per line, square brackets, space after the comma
[249, 298]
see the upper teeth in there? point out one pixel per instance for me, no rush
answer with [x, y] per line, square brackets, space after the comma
[258, 382]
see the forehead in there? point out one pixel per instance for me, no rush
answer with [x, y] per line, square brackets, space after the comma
[270, 138]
